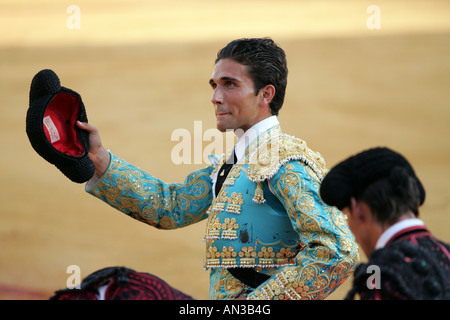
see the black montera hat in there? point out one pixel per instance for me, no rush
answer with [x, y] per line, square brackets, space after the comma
[51, 128]
[353, 175]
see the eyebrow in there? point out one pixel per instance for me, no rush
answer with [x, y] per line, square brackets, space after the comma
[211, 81]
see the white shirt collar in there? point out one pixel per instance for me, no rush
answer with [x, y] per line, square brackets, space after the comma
[245, 138]
[387, 235]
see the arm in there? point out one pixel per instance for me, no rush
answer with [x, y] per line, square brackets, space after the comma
[144, 197]
[150, 200]
[330, 253]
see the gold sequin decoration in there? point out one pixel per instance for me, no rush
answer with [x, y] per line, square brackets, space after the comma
[232, 176]
[248, 257]
[259, 194]
[229, 229]
[221, 200]
[235, 202]
[226, 230]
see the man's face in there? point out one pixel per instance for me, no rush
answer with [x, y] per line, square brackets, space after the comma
[235, 103]
[361, 222]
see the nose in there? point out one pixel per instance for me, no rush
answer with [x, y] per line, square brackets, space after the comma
[217, 97]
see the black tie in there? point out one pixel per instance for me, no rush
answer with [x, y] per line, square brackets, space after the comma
[249, 276]
[224, 170]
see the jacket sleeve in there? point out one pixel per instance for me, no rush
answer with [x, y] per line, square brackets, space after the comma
[329, 253]
[150, 200]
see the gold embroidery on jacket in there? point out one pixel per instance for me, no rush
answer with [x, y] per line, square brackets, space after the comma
[235, 202]
[232, 175]
[267, 156]
[220, 201]
[259, 256]
[229, 229]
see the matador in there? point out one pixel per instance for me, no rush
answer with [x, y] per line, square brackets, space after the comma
[266, 219]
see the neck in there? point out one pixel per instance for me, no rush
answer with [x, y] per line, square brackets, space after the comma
[379, 229]
[407, 215]
[245, 138]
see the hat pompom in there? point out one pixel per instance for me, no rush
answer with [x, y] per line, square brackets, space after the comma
[44, 82]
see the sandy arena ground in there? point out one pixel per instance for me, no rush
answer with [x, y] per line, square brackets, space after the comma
[142, 68]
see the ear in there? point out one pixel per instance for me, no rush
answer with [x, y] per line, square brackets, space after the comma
[267, 93]
[356, 210]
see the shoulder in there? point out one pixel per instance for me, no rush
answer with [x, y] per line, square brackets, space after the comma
[272, 154]
[401, 270]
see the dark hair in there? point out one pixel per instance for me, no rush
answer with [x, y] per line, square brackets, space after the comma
[266, 63]
[392, 196]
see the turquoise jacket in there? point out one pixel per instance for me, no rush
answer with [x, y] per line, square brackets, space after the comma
[268, 215]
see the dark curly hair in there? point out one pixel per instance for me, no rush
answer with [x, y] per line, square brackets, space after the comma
[266, 63]
[392, 196]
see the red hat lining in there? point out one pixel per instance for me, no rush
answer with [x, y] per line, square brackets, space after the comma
[59, 124]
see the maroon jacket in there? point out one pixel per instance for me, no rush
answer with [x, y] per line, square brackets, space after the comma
[413, 265]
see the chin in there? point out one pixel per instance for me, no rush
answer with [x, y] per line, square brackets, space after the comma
[222, 127]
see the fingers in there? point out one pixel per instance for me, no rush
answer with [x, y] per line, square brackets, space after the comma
[86, 126]
[98, 154]
[94, 135]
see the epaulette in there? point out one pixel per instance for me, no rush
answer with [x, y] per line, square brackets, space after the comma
[272, 154]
